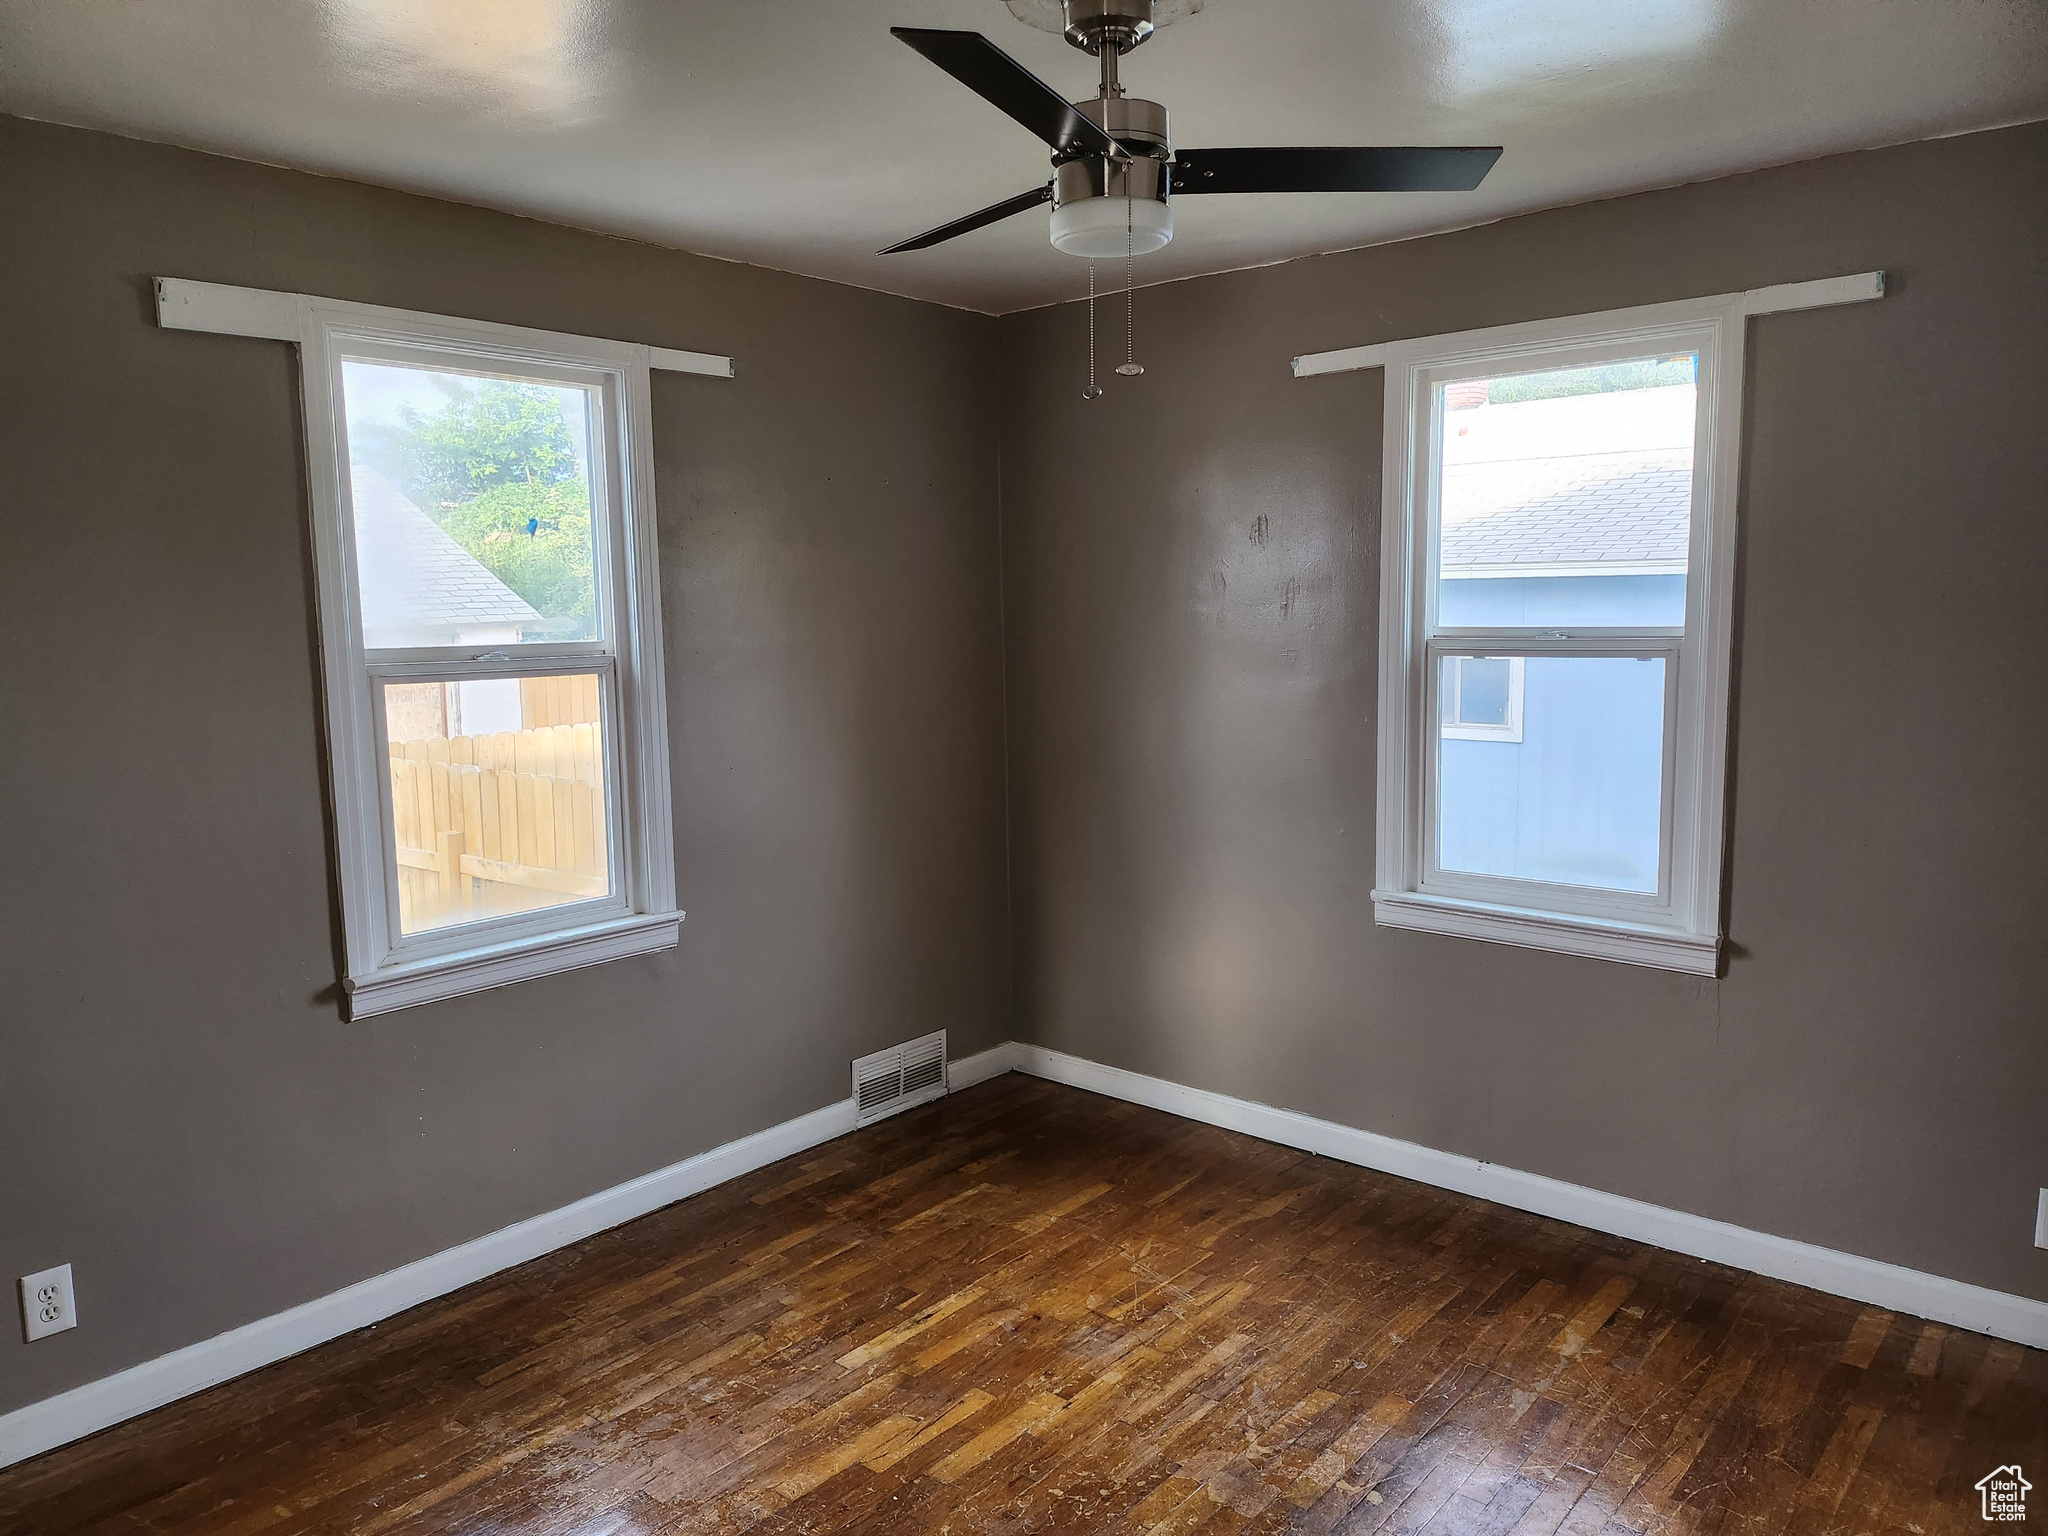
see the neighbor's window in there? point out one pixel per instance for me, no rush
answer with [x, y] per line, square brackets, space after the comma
[1553, 702]
[1481, 698]
[493, 658]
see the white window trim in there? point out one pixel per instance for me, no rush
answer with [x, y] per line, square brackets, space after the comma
[384, 973]
[1693, 946]
[1779, 298]
[1678, 927]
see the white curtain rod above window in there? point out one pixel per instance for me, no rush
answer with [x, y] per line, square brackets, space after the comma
[225, 310]
[1819, 294]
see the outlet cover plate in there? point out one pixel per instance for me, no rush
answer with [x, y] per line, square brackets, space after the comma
[2041, 1222]
[48, 1304]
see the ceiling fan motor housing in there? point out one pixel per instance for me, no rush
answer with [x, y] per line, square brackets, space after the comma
[1103, 207]
[1121, 24]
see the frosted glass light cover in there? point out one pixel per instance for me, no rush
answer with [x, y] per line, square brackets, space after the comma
[1095, 227]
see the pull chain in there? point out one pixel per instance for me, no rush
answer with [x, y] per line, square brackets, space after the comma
[1094, 390]
[1130, 368]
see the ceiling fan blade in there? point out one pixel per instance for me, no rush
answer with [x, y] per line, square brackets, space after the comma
[1330, 169]
[1008, 86]
[989, 215]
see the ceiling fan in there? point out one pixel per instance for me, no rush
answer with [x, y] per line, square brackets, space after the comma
[1114, 164]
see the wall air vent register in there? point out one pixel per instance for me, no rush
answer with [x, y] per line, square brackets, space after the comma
[899, 1078]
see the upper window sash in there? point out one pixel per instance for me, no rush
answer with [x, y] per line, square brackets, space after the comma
[489, 362]
[1470, 358]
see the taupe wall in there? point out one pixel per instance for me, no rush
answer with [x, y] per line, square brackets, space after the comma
[1191, 580]
[1188, 570]
[183, 1113]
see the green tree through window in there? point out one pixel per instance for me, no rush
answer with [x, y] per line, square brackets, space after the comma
[1645, 373]
[496, 467]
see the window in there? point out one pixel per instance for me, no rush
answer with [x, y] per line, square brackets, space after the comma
[1558, 541]
[1482, 698]
[483, 529]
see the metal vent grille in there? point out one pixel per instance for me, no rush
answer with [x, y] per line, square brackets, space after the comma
[902, 1076]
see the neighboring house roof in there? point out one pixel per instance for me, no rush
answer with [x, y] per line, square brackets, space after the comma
[413, 575]
[1551, 515]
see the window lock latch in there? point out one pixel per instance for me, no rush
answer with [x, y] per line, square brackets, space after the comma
[491, 656]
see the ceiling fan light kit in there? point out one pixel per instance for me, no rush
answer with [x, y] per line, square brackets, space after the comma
[1097, 201]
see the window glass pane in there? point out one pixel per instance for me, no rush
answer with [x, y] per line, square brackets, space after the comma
[1576, 799]
[1566, 496]
[497, 796]
[472, 507]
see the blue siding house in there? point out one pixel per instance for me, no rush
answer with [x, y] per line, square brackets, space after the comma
[1571, 512]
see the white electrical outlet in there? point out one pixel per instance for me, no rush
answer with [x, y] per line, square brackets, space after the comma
[2041, 1221]
[47, 1304]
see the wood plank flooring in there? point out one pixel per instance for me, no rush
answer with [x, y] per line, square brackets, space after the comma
[1030, 1309]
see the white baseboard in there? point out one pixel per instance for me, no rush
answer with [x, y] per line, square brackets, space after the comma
[38, 1427]
[993, 1062]
[82, 1411]
[1912, 1291]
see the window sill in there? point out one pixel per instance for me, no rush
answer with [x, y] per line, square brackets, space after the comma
[1664, 949]
[497, 965]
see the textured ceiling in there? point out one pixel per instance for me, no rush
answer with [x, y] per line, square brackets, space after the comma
[798, 134]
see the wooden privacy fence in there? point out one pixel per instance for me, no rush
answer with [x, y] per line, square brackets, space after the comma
[493, 824]
[569, 699]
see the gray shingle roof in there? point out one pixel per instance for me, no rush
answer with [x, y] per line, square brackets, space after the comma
[413, 576]
[1593, 509]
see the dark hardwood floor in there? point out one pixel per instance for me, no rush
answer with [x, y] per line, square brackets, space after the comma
[1031, 1309]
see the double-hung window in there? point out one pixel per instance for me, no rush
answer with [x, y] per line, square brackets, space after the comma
[484, 544]
[1559, 508]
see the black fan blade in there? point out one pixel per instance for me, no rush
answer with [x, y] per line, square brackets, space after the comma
[1326, 169]
[1008, 86]
[989, 215]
